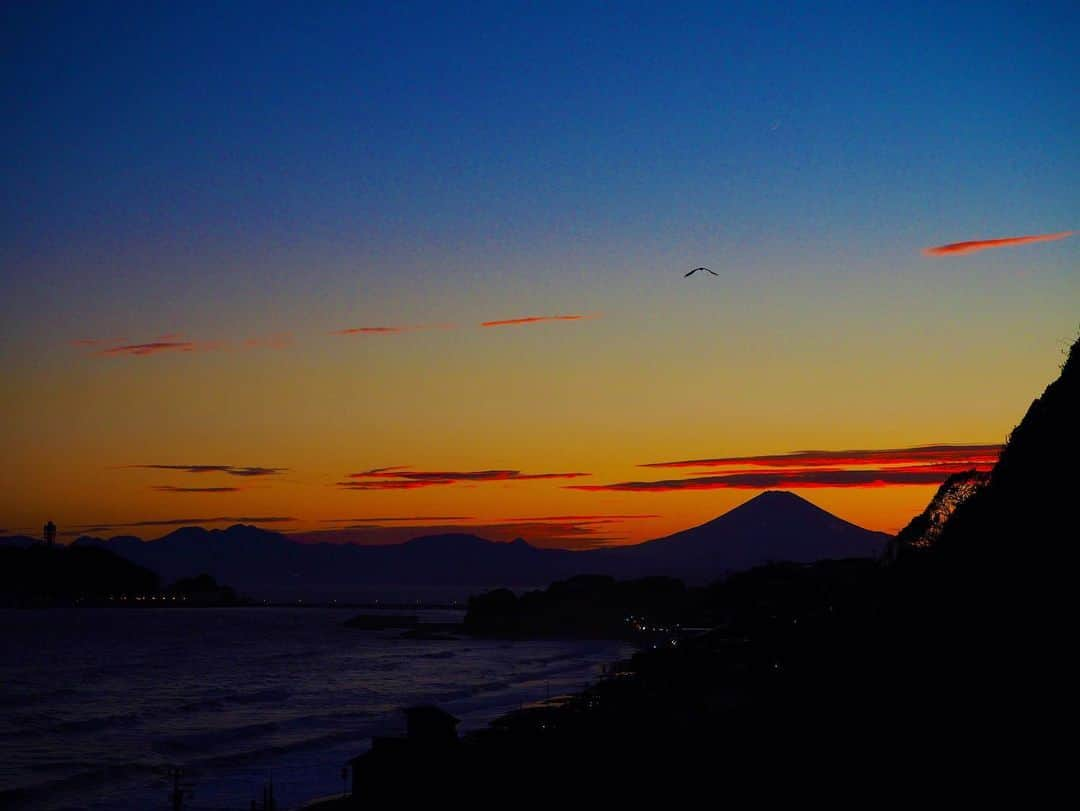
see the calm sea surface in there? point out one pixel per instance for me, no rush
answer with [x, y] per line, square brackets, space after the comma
[96, 704]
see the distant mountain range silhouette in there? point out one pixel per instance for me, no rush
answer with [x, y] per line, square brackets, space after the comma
[17, 541]
[774, 526]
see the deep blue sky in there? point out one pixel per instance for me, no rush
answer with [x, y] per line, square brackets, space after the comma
[235, 172]
[213, 129]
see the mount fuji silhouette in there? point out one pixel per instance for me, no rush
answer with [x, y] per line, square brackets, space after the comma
[774, 526]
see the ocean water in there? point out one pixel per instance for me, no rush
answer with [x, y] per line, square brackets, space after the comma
[97, 704]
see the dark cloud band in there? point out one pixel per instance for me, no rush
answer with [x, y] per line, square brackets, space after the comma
[232, 470]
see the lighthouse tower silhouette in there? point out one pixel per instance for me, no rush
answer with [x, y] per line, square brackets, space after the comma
[48, 534]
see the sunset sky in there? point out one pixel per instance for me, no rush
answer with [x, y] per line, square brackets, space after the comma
[352, 272]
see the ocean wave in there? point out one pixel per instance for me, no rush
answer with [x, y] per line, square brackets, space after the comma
[36, 697]
[209, 702]
[20, 720]
[269, 695]
[219, 701]
[211, 738]
[96, 724]
[382, 666]
[76, 787]
[202, 704]
[265, 753]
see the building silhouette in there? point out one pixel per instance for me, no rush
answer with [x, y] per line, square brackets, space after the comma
[407, 768]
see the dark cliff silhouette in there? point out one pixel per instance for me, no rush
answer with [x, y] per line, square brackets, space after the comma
[923, 530]
[772, 526]
[996, 588]
[1025, 514]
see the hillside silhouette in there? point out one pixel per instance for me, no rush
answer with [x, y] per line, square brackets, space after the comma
[924, 530]
[996, 588]
[1025, 515]
[40, 575]
[586, 605]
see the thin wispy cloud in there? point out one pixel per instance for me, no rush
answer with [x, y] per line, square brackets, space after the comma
[168, 488]
[392, 330]
[403, 478]
[961, 248]
[154, 348]
[231, 470]
[532, 319]
[175, 342]
[371, 331]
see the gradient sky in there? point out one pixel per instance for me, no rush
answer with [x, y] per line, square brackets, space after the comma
[267, 239]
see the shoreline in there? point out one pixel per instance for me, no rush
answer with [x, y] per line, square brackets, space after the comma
[299, 731]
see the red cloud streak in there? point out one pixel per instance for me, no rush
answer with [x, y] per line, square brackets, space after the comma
[796, 479]
[960, 248]
[924, 454]
[532, 319]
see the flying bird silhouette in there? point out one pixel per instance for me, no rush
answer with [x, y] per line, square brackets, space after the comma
[695, 270]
